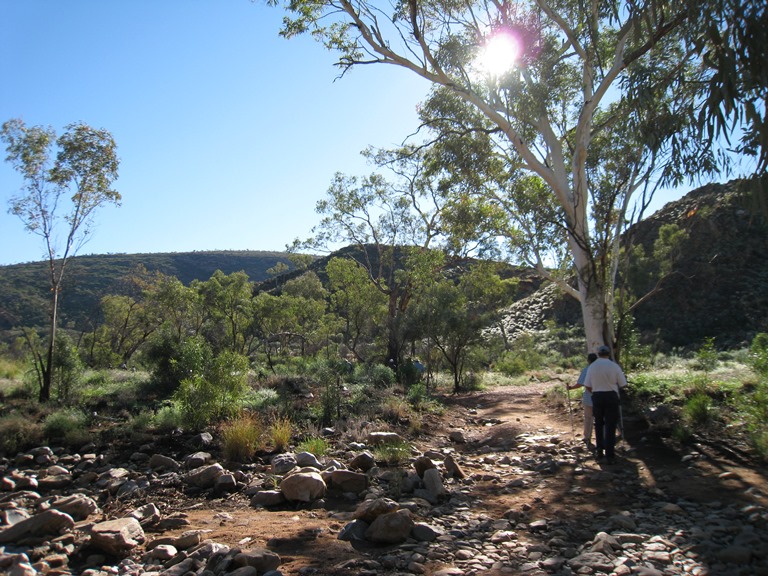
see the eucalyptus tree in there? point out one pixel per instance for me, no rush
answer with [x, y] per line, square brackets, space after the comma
[393, 227]
[591, 111]
[59, 201]
[453, 313]
[359, 304]
[228, 300]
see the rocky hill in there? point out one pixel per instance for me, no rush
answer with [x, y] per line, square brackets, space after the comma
[24, 288]
[719, 284]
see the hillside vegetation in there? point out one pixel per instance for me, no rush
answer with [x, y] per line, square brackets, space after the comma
[24, 288]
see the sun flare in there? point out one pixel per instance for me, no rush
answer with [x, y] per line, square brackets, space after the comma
[500, 54]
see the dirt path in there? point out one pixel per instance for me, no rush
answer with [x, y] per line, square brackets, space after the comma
[502, 426]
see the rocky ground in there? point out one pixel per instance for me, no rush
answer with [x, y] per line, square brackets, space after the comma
[499, 484]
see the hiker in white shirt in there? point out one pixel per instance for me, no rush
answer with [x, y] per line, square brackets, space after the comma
[605, 381]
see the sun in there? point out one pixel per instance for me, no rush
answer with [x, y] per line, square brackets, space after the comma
[500, 54]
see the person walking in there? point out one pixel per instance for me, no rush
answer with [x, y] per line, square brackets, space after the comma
[586, 401]
[605, 380]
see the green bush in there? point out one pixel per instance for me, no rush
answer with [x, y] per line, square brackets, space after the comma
[261, 399]
[758, 354]
[697, 410]
[215, 394]
[175, 361]
[314, 445]
[10, 369]
[67, 367]
[377, 375]
[19, 433]
[417, 395]
[706, 356]
[68, 427]
[168, 418]
[392, 453]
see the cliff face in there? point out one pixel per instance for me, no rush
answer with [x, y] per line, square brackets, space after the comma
[719, 286]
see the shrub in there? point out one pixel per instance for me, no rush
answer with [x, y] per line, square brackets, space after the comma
[261, 399]
[10, 369]
[314, 445]
[697, 409]
[758, 354]
[706, 356]
[68, 427]
[217, 393]
[168, 418]
[241, 437]
[377, 375]
[417, 395]
[19, 433]
[757, 418]
[392, 453]
[280, 433]
[396, 409]
[175, 361]
[67, 369]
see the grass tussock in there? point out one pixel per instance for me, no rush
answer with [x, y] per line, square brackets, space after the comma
[18, 433]
[280, 433]
[241, 437]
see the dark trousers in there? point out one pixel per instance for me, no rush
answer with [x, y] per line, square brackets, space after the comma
[605, 407]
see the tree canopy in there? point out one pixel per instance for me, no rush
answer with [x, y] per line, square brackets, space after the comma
[597, 106]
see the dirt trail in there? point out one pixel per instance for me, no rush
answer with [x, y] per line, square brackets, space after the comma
[493, 421]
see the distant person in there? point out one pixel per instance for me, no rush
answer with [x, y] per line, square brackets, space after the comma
[586, 401]
[605, 380]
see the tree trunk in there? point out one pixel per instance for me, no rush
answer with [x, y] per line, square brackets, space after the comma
[47, 369]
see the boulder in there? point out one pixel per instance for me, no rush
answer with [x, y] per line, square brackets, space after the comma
[46, 523]
[349, 481]
[303, 487]
[283, 463]
[205, 476]
[79, 506]
[369, 510]
[262, 559]
[391, 528]
[363, 461]
[117, 537]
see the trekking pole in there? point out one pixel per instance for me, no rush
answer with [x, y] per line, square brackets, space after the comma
[621, 420]
[570, 410]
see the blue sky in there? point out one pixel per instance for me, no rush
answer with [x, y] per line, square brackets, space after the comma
[227, 133]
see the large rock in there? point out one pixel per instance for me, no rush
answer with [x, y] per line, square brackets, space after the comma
[391, 528]
[205, 476]
[162, 462]
[117, 537]
[261, 559]
[349, 481]
[79, 506]
[283, 463]
[369, 510]
[46, 523]
[303, 487]
[378, 438]
[363, 461]
[267, 498]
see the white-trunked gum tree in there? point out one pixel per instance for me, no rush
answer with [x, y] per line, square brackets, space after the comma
[58, 202]
[595, 107]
